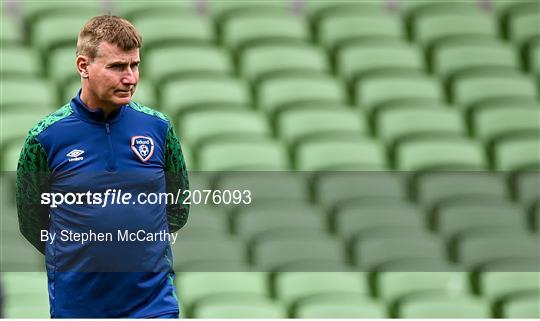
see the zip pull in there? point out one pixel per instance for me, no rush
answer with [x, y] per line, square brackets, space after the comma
[107, 128]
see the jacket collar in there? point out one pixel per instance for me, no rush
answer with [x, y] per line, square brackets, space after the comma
[85, 113]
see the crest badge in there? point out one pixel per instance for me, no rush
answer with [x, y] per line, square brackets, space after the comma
[143, 147]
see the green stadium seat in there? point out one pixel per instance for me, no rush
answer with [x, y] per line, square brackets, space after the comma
[205, 220]
[19, 61]
[16, 95]
[399, 124]
[297, 125]
[134, 10]
[533, 59]
[438, 307]
[246, 30]
[174, 28]
[523, 27]
[343, 307]
[281, 187]
[437, 187]
[230, 156]
[440, 154]
[526, 307]
[10, 33]
[284, 92]
[332, 189]
[223, 125]
[53, 31]
[17, 254]
[26, 295]
[379, 246]
[483, 247]
[527, 187]
[345, 153]
[166, 63]
[358, 216]
[226, 10]
[10, 155]
[192, 250]
[279, 254]
[411, 9]
[455, 218]
[15, 127]
[499, 122]
[32, 11]
[506, 285]
[458, 59]
[337, 30]
[384, 91]
[195, 287]
[484, 89]
[518, 153]
[294, 287]
[360, 60]
[260, 62]
[242, 308]
[252, 224]
[318, 9]
[443, 27]
[61, 66]
[394, 286]
[198, 93]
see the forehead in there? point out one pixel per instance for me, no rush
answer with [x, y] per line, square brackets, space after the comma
[110, 52]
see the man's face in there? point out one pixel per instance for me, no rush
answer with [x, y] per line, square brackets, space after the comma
[112, 76]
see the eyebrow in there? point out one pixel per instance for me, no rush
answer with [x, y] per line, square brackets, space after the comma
[122, 63]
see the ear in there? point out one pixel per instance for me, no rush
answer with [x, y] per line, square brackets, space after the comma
[82, 63]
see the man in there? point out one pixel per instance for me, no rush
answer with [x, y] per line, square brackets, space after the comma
[98, 145]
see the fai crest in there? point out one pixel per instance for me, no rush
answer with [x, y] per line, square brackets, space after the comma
[143, 147]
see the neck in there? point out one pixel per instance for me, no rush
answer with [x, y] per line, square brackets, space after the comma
[93, 104]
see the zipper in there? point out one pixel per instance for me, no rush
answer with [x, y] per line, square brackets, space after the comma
[111, 159]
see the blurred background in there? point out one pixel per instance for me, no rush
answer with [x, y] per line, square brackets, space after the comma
[396, 148]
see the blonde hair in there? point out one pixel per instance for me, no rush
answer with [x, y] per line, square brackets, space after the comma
[108, 28]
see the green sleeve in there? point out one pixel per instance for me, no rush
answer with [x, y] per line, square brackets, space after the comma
[32, 180]
[176, 179]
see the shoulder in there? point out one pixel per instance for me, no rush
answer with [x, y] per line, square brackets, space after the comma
[149, 112]
[51, 119]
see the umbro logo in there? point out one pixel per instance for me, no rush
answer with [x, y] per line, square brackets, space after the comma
[75, 155]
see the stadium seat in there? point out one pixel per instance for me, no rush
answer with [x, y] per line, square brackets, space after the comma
[526, 307]
[19, 61]
[134, 10]
[260, 62]
[278, 253]
[483, 247]
[195, 287]
[239, 309]
[472, 91]
[400, 124]
[336, 30]
[272, 187]
[223, 125]
[222, 11]
[523, 27]
[227, 156]
[533, 59]
[356, 217]
[499, 122]
[10, 33]
[167, 63]
[333, 188]
[26, 295]
[246, 30]
[317, 9]
[394, 286]
[360, 60]
[57, 30]
[33, 12]
[379, 246]
[457, 59]
[199, 93]
[346, 307]
[506, 285]
[346, 153]
[383, 91]
[294, 287]
[437, 187]
[192, 250]
[527, 187]
[518, 153]
[440, 154]
[205, 220]
[297, 125]
[16, 95]
[61, 66]
[10, 154]
[458, 217]
[15, 127]
[436, 29]
[438, 307]
[279, 93]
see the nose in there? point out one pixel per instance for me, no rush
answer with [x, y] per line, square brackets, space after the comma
[130, 77]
